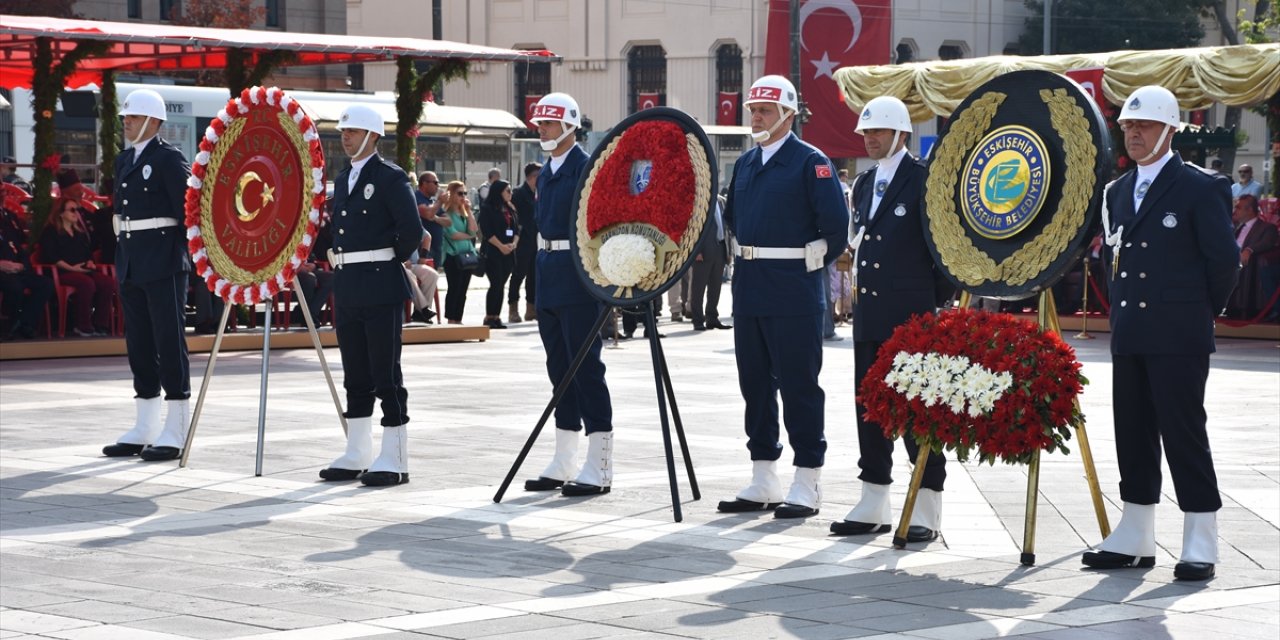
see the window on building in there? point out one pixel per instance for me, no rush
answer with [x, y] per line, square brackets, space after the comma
[135, 9]
[274, 16]
[355, 77]
[729, 88]
[950, 52]
[532, 80]
[646, 76]
[904, 53]
[167, 8]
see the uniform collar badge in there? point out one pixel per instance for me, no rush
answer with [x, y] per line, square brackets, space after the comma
[1170, 220]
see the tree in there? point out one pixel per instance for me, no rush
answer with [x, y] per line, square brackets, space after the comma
[1253, 34]
[244, 68]
[411, 90]
[1092, 26]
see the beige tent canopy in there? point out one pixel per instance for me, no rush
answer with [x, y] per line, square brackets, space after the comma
[1236, 76]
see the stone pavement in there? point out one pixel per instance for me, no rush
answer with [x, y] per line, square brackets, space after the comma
[94, 548]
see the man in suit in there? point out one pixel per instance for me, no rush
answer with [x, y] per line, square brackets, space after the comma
[567, 311]
[152, 267]
[1173, 262]
[896, 278]
[375, 229]
[708, 270]
[1256, 238]
[786, 209]
[525, 198]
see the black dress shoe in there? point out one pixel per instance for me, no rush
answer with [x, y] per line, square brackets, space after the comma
[577, 489]
[788, 510]
[854, 528]
[542, 483]
[718, 325]
[333, 474]
[158, 454]
[697, 326]
[917, 533]
[1111, 560]
[122, 450]
[1193, 570]
[383, 478]
[738, 505]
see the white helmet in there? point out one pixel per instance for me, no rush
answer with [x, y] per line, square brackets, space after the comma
[144, 102]
[885, 112]
[557, 106]
[362, 116]
[775, 89]
[1151, 102]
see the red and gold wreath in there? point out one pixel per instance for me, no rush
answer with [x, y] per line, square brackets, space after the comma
[254, 196]
[642, 207]
[965, 380]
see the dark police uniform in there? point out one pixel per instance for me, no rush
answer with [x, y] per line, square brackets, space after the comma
[566, 310]
[896, 278]
[1177, 266]
[778, 306]
[379, 213]
[527, 251]
[152, 266]
[25, 293]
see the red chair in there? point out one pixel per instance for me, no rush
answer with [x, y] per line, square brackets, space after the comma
[61, 293]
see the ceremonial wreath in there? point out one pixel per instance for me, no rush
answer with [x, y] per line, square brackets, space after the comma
[643, 205]
[255, 195]
[970, 380]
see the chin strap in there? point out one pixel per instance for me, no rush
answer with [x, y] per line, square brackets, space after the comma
[552, 145]
[363, 144]
[764, 136]
[1156, 149]
[141, 132]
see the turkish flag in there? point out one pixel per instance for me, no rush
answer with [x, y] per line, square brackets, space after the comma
[647, 101]
[1091, 81]
[727, 112]
[529, 103]
[833, 34]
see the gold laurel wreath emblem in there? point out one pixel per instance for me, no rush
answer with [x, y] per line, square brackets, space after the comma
[222, 263]
[966, 262]
[590, 256]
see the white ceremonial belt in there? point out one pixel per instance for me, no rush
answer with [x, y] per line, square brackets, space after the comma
[120, 224]
[356, 257]
[552, 245]
[747, 252]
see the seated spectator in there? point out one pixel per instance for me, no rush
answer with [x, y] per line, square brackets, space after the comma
[66, 245]
[8, 166]
[422, 281]
[25, 292]
[1256, 238]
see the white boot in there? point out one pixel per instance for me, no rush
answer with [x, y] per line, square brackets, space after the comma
[392, 465]
[176, 423]
[765, 486]
[147, 425]
[1136, 533]
[873, 507]
[564, 465]
[804, 499]
[597, 469]
[359, 453]
[928, 510]
[1200, 537]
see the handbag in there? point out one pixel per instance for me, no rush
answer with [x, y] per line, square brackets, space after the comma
[469, 261]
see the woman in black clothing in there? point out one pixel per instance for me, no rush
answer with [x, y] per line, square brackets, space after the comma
[500, 230]
[65, 244]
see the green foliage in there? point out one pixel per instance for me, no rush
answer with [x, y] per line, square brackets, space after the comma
[238, 75]
[1091, 26]
[109, 130]
[411, 88]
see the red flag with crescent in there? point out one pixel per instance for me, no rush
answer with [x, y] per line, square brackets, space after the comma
[1090, 80]
[727, 112]
[529, 103]
[833, 34]
[647, 101]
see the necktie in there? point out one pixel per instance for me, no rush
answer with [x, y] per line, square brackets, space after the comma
[1141, 191]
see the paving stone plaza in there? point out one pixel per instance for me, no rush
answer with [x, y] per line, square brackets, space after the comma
[96, 548]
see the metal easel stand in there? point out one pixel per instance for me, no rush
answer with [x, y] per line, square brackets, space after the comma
[662, 381]
[1047, 316]
[262, 395]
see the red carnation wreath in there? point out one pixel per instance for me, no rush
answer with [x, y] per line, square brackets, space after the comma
[632, 238]
[255, 195]
[965, 379]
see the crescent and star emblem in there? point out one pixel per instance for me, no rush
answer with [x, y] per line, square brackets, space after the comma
[268, 195]
[826, 66]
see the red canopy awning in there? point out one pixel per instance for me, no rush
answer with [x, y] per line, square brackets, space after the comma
[139, 47]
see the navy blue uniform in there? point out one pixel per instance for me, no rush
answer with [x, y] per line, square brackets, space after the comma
[896, 279]
[1178, 263]
[778, 306]
[380, 212]
[152, 266]
[527, 251]
[566, 310]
